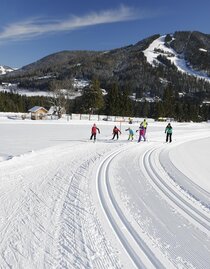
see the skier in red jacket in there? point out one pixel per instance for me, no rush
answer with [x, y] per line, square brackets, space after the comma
[94, 130]
[116, 132]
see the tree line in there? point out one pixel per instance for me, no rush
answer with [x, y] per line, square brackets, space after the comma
[117, 102]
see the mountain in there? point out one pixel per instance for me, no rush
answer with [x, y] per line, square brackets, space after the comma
[187, 58]
[5, 69]
[180, 60]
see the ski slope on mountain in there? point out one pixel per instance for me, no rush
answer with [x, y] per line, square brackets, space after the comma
[66, 202]
[158, 47]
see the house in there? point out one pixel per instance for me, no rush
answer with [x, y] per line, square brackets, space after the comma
[38, 113]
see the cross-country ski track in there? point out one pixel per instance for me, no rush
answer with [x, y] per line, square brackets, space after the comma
[109, 204]
[129, 236]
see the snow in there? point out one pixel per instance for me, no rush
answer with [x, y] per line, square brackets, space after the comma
[194, 152]
[204, 50]
[67, 202]
[157, 47]
[6, 69]
[78, 85]
[29, 93]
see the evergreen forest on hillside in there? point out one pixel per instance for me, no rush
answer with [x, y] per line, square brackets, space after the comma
[116, 102]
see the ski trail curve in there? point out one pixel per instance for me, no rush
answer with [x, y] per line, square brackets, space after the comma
[202, 219]
[161, 217]
[139, 253]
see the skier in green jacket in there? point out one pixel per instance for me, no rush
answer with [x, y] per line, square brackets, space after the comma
[168, 131]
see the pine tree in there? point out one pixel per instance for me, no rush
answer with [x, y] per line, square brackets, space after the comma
[168, 102]
[158, 110]
[113, 101]
[126, 104]
[145, 109]
[205, 112]
[92, 98]
[179, 112]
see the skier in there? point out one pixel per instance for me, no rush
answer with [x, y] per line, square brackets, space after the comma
[116, 132]
[168, 132]
[131, 133]
[94, 130]
[130, 121]
[144, 124]
[141, 133]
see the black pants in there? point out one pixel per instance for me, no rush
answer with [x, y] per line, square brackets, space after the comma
[168, 137]
[93, 135]
[115, 134]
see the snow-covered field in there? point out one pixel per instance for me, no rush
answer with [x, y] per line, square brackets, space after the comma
[66, 202]
[78, 85]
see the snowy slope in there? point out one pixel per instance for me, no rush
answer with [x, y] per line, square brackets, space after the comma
[78, 85]
[157, 47]
[5, 69]
[66, 202]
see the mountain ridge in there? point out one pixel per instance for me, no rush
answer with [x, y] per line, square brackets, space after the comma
[129, 66]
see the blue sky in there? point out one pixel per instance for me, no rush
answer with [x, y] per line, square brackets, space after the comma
[31, 30]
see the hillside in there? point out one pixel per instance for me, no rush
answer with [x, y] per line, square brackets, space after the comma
[130, 66]
[5, 69]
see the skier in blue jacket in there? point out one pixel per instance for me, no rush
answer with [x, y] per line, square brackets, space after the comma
[131, 133]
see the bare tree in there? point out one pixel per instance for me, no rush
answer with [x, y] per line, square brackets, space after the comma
[60, 92]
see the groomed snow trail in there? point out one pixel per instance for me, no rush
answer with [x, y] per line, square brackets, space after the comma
[173, 223]
[47, 218]
[103, 205]
[137, 250]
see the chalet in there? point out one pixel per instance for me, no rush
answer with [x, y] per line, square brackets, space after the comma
[38, 113]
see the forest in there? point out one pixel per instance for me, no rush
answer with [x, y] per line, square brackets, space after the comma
[117, 102]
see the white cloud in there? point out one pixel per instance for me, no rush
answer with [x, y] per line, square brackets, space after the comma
[35, 27]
